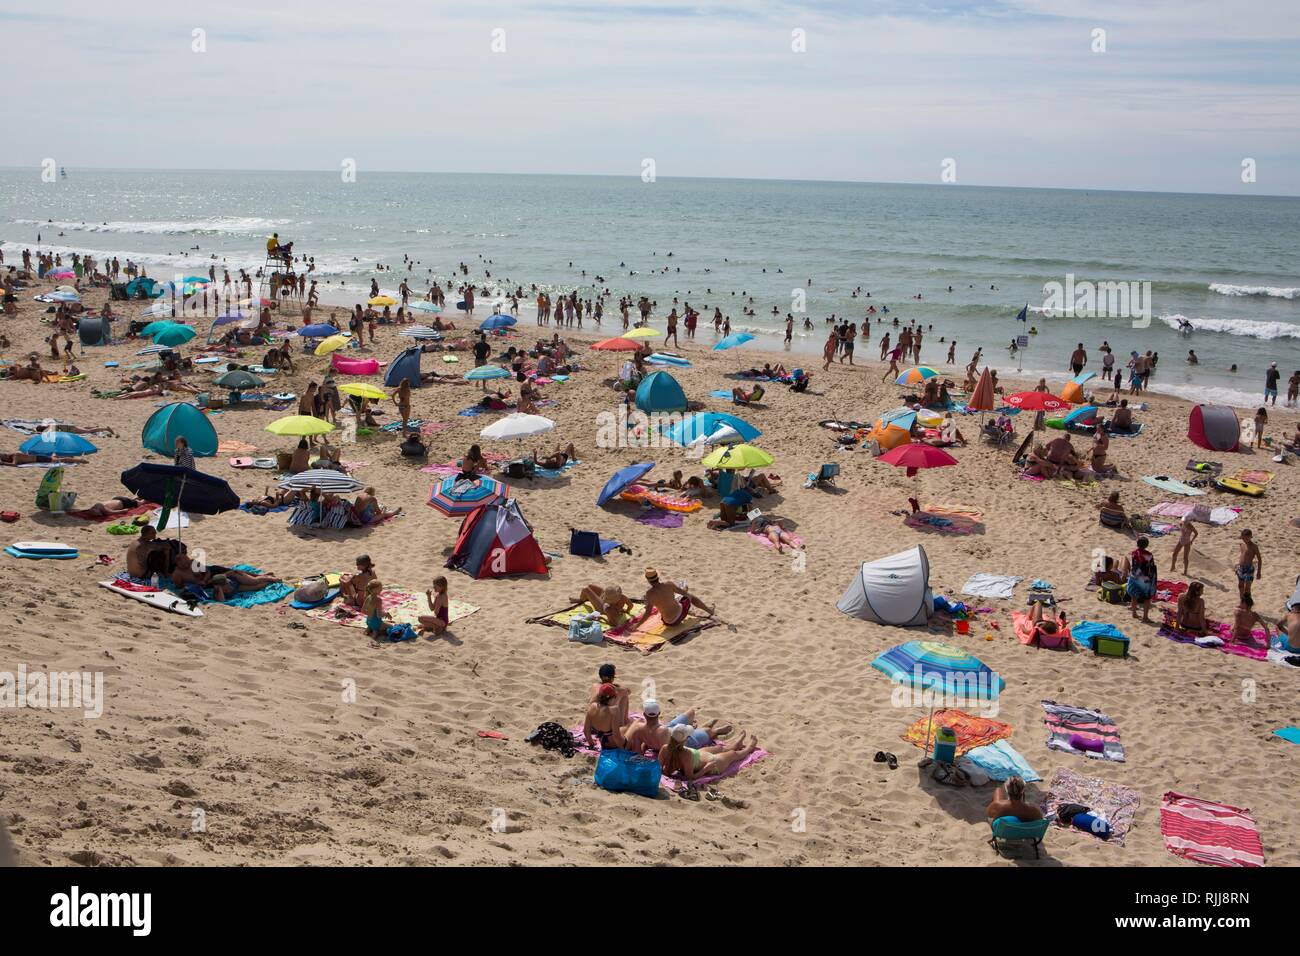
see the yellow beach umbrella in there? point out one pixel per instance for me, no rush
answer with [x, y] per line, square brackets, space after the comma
[363, 390]
[332, 344]
[737, 456]
[645, 332]
[382, 300]
[299, 425]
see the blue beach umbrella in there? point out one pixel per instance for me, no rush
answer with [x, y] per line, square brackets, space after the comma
[1082, 416]
[57, 443]
[423, 306]
[731, 341]
[621, 479]
[674, 360]
[153, 328]
[498, 321]
[457, 495]
[931, 665]
[702, 424]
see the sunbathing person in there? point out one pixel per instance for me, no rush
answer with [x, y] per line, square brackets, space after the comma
[352, 587]
[741, 397]
[1112, 513]
[32, 371]
[1061, 453]
[1244, 620]
[557, 459]
[1100, 444]
[696, 488]
[1122, 420]
[22, 458]
[1290, 637]
[757, 483]
[1191, 610]
[529, 396]
[610, 601]
[113, 506]
[1039, 466]
[671, 601]
[1045, 625]
[648, 733]
[77, 429]
[366, 509]
[1009, 801]
[678, 757]
[675, 483]
[139, 551]
[225, 582]
[604, 719]
[413, 447]
[272, 499]
[776, 530]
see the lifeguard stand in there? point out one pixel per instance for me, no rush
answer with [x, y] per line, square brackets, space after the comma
[278, 283]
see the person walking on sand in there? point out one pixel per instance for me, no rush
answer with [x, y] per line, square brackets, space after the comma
[671, 333]
[1250, 563]
[894, 356]
[1187, 533]
[884, 347]
[828, 350]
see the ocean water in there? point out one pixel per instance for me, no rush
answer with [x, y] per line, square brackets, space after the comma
[1228, 264]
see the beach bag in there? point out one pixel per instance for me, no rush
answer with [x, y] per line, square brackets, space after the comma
[519, 468]
[553, 736]
[585, 544]
[586, 629]
[1112, 592]
[1109, 645]
[621, 771]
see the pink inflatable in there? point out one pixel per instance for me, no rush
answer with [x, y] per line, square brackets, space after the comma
[354, 366]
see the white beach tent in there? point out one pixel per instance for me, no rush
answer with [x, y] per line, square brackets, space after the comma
[891, 590]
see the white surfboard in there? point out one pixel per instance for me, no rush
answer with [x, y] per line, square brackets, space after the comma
[43, 547]
[163, 600]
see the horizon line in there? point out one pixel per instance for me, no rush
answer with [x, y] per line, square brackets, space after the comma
[747, 179]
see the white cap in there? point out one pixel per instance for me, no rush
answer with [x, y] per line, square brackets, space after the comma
[681, 732]
[651, 707]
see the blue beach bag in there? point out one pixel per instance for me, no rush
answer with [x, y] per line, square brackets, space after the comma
[620, 771]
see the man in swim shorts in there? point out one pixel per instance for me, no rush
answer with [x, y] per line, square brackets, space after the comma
[649, 733]
[1250, 563]
[669, 599]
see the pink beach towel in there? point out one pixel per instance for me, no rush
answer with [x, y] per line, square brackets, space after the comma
[768, 543]
[1207, 832]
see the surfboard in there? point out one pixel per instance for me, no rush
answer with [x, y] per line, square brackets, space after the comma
[43, 547]
[38, 555]
[163, 600]
[1239, 487]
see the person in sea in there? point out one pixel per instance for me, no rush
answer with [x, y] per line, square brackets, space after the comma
[1141, 579]
[1250, 563]
[1190, 616]
[373, 609]
[1187, 533]
[671, 601]
[439, 616]
[352, 587]
[1009, 801]
[691, 763]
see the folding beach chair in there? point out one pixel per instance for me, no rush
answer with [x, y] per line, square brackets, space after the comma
[1010, 829]
[824, 475]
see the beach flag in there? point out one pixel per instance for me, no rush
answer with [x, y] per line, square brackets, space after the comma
[1024, 314]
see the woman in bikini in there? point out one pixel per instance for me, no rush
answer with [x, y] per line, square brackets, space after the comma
[604, 720]
[677, 757]
[557, 459]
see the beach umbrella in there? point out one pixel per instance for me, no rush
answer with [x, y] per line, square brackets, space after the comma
[227, 317]
[660, 358]
[735, 457]
[299, 425]
[182, 488]
[153, 328]
[642, 332]
[332, 344]
[731, 341]
[175, 335]
[381, 301]
[458, 495]
[484, 373]
[238, 380]
[497, 321]
[1036, 402]
[982, 399]
[621, 479]
[364, 390]
[420, 332]
[1082, 416]
[51, 442]
[617, 345]
[319, 330]
[915, 456]
[941, 672]
[63, 295]
[693, 427]
[258, 301]
[326, 479]
[155, 350]
[915, 376]
[423, 306]
[517, 426]
[902, 417]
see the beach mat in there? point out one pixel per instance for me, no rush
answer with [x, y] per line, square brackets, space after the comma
[650, 636]
[140, 509]
[1215, 834]
[972, 731]
[1064, 721]
[942, 521]
[1220, 630]
[1118, 805]
[404, 606]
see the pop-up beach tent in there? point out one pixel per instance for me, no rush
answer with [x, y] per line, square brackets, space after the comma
[94, 330]
[1214, 427]
[404, 368]
[179, 420]
[496, 541]
[659, 392]
[891, 590]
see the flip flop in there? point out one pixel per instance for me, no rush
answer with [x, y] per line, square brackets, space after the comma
[893, 761]
[494, 734]
[880, 756]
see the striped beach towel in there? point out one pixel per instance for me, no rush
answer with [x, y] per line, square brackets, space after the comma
[1207, 832]
[1064, 721]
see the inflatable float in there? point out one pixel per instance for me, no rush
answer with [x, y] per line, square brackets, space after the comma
[665, 500]
[349, 366]
[1239, 487]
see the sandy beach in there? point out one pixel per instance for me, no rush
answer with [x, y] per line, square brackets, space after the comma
[246, 715]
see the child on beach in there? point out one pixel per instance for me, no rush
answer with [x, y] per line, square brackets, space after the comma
[437, 621]
[1261, 419]
[1186, 535]
[373, 610]
[1141, 579]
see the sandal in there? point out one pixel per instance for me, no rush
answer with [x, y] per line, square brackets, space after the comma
[880, 756]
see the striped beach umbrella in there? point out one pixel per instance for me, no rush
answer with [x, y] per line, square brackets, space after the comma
[943, 668]
[420, 332]
[485, 373]
[458, 495]
[325, 479]
[915, 376]
[155, 350]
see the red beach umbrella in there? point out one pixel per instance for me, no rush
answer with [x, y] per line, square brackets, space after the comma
[618, 345]
[916, 456]
[981, 400]
[1037, 402]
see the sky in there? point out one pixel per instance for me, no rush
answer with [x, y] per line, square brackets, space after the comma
[1174, 97]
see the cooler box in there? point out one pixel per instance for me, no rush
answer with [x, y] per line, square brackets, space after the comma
[1110, 646]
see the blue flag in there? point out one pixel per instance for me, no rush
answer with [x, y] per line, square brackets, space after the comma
[1023, 316]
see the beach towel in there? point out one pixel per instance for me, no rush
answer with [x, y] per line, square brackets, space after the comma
[1027, 633]
[1219, 638]
[971, 731]
[1115, 804]
[943, 521]
[29, 426]
[987, 585]
[233, 446]
[1215, 834]
[720, 393]
[1064, 722]
[1182, 509]
[768, 543]
[1001, 761]
[1289, 734]
[651, 635]
[1085, 632]
[1165, 483]
[404, 606]
[139, 509]
[658, 518]
[553, 473]
[266, 595]
[1170, 591]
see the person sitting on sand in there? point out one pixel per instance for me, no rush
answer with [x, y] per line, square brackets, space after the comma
[557, 459]
[529, 396]
[113, 506]
[1100, 445]
[139, 551]
[439, 616]
[729, 510]
[1112, 513]
[1009, 801]
[649, 733]
[741, 397]
[1289, 630]
[473, 463]
[604, 719]
[1140, 575]
[610, 601]
[366, 509]
[668, 598]
[224, 582]
[1108, 574]
[758, 484]
[1122, 420]
[1191, 610]
[352, 587]
[32, 371]
[777, 530]
[606, 674]
[301, 457]
[1038, 465]
[1244, 621]
[678, 757]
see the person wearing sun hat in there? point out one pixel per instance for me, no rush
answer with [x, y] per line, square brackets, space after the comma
[669, 599]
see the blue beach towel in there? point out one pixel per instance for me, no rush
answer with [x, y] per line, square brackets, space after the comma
[721, 393]
[1001, 761]
[553, 473]
[1289, 734]
[1085, 632]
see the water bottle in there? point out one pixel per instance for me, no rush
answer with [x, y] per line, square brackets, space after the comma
[154, 580]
